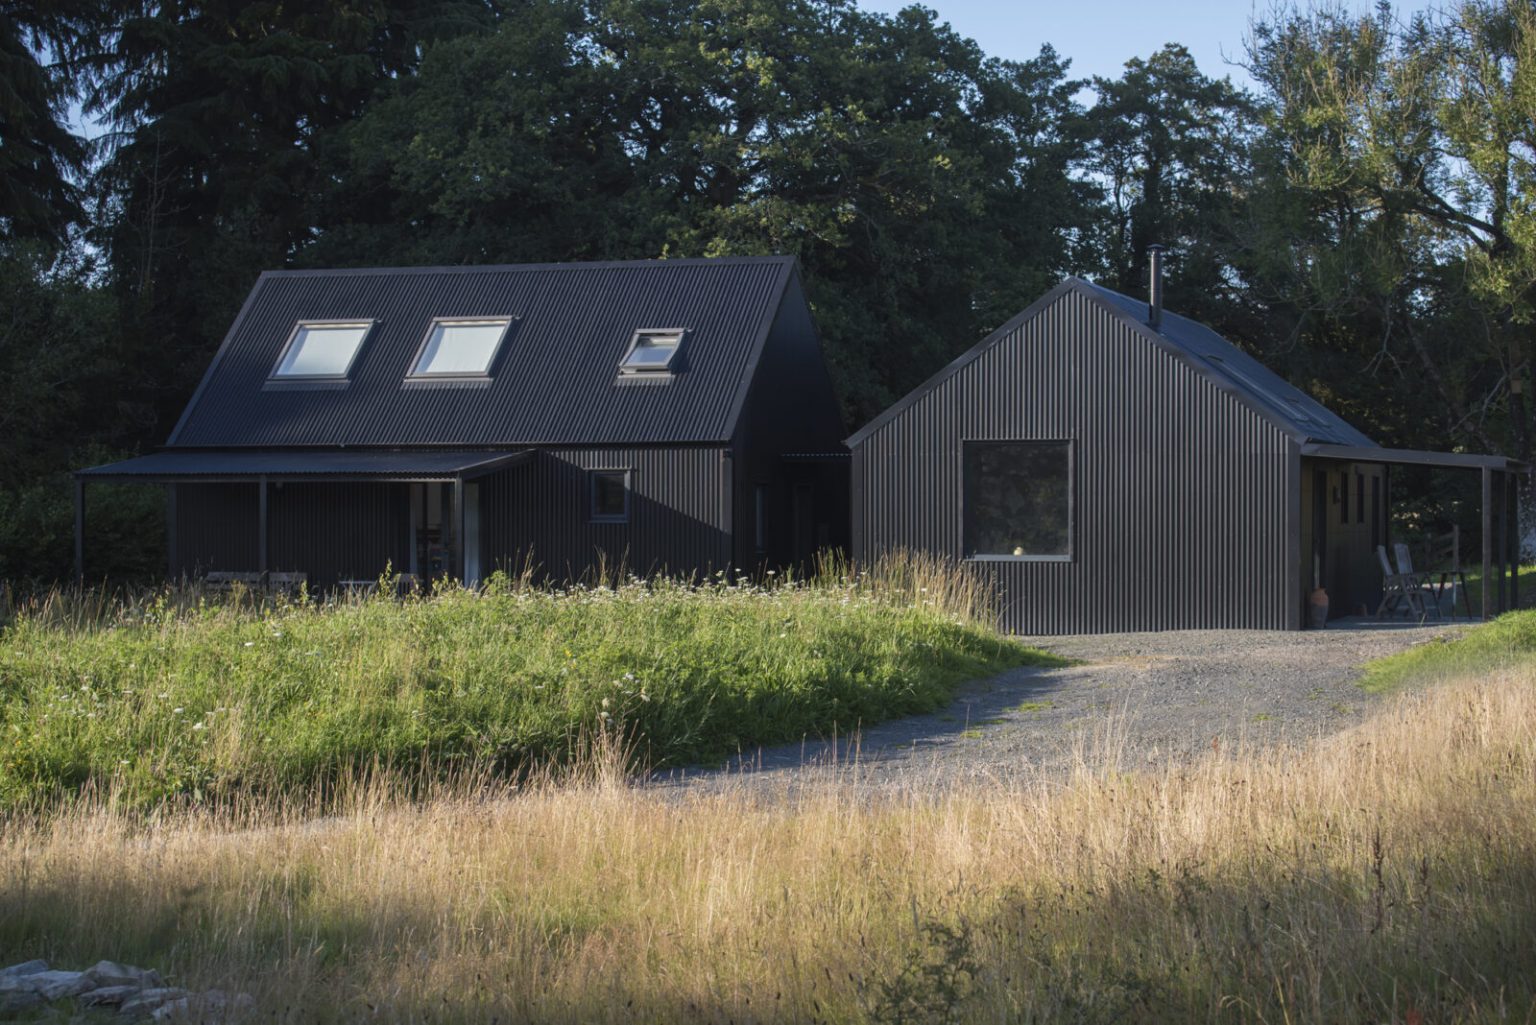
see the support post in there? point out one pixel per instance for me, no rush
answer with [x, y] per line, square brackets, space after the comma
[456, 521]
[1512, 537]
[1487, 536]
[171, 560]
[80, 531]
[1503, 542]
[261, 527]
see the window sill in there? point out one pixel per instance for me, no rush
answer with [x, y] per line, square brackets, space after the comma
[1020, 558]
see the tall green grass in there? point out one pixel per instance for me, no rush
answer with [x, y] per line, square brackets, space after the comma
[181, 695]
[1507, 641]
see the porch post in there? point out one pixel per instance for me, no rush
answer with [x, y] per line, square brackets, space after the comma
[80, 531]
[1512, 546]
[456, 520]
[1503, 541]
[171, 561]
[261, 527]
[1487, 536]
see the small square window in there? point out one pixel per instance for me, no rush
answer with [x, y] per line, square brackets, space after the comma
[610, 496]
[460, 348]
[322, 351]
[652, 352]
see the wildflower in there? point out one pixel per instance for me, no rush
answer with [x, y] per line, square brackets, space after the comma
[177, 710]
[250, 644]
[199, 726]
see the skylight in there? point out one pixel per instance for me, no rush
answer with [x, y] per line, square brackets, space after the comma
[651, 352]
[322, 351]
[460, 348]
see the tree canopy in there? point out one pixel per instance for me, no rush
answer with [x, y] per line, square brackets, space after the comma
[1363, 217]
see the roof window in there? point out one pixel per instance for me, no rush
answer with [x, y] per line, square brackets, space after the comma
[322, 351]
[652, 352]
[460, 348]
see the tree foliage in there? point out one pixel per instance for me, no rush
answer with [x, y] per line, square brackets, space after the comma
[1363, 218]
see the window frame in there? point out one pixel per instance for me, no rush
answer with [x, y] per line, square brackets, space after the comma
[1071, 553]
[366, 323]
[673, 363]
[415, 374]
[626, 475]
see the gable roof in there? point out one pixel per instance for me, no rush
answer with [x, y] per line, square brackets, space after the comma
[556, 379]
[1202, 349]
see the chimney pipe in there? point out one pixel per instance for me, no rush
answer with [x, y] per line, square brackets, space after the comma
[1155, 286]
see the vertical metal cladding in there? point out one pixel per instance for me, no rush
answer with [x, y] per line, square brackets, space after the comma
[679, 512]
[1182, 490]
[331, 531]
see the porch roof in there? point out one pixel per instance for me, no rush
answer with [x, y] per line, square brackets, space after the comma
[206, 465]
[1414, 457]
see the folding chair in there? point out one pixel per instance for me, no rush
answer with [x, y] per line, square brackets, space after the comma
[1422, 581]
[1397, 590]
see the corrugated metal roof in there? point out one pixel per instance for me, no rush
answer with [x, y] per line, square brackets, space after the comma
[332, 464]
[1204, 350]
[556, 382]
[1303, 415]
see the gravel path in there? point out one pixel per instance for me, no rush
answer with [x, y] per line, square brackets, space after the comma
[1134, 698]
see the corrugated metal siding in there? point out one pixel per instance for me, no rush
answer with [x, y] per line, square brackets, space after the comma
[557, 376]
[215, 529]
[330, 531]
[679, 516]
[1183, 509]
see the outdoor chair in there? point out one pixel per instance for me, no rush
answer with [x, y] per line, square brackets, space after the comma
[1423, 581]
[1446, 562]
[1397, 590]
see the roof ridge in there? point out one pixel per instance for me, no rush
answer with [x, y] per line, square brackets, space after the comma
[491, 268]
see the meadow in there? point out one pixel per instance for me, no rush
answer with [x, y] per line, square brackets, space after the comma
[1383, 874]
[178, 695]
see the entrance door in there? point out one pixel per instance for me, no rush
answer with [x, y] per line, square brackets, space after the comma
[804, 512]
[433, 535]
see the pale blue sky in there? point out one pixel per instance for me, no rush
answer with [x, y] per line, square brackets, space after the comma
[1101, 35]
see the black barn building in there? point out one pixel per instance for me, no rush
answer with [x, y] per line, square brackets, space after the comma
[1116, 467]
[673, 416]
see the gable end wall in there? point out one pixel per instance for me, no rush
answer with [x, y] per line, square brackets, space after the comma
[1184, 495]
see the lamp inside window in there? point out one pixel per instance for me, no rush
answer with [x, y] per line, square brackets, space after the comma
[653, 352]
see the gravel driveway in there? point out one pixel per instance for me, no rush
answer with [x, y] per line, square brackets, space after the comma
[1134, 698]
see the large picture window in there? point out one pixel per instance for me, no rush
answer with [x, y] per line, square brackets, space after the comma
[1018, 500]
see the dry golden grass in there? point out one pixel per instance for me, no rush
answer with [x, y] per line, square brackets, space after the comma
[1386, 874]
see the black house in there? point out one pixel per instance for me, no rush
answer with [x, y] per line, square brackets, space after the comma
[1116, 467]
[672, 416]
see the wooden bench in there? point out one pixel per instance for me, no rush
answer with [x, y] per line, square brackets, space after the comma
[226, 580]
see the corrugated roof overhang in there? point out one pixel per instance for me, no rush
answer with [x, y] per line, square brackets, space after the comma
[314, 465]
[1413, 457]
